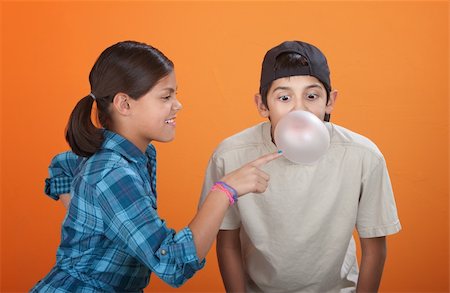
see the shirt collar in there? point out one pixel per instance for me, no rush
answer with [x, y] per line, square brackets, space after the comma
[267, 136]
[126, 148]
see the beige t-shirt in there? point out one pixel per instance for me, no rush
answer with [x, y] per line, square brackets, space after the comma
[297, 235]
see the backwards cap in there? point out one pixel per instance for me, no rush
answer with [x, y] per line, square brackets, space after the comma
[317, 64]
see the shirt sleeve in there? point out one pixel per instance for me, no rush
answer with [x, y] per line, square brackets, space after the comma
[214, 172]
[131, 220]
[377, 211]
[61, 172]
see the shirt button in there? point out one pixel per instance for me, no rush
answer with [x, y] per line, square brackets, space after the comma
[163, 252]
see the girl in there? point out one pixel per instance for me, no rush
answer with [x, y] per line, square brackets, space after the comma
[112, 237]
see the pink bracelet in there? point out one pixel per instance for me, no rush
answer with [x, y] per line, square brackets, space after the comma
[218, 186]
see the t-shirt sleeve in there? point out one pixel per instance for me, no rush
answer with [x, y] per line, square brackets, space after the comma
[61, 172]
[214, 172]
[377, 211]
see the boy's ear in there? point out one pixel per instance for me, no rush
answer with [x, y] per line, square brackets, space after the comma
[121, 104]
[262, 109]
[331, 101]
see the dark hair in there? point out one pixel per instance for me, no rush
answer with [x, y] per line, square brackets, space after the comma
[288, 61]
[127, 67]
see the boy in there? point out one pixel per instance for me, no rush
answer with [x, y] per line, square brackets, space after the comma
[297, 235]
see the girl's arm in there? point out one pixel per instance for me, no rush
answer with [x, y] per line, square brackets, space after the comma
[62, 169]
[230, 260]
[65, 199]
[373, 255]
[205, 225]
[130, 219]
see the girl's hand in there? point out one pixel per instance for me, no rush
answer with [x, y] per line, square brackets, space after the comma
[249, 178]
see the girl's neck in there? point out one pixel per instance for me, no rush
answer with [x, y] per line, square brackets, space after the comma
[140, 143]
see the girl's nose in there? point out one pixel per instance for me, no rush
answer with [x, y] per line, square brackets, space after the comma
[177, 105]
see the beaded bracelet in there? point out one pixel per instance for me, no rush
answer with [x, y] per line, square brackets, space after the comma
[227, 189]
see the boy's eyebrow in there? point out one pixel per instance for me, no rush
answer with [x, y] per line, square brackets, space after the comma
[281, 88]
[314, 85]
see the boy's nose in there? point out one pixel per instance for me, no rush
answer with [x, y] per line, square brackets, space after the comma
[299, 106]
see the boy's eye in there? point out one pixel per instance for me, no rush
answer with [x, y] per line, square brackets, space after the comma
[284, 98]
[312, 96]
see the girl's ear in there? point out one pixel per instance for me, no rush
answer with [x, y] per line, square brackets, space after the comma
[262, 109]
[121, 104]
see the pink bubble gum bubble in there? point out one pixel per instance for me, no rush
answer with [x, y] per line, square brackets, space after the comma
[302, 137]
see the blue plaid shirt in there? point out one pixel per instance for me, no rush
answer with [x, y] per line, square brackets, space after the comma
[112, 237]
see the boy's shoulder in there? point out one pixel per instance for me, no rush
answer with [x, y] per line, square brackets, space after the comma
[248, 138]
[344, 137]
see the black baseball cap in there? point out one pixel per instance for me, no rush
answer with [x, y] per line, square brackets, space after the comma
[317, 64]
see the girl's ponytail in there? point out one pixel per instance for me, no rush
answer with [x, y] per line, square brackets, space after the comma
[81, 134]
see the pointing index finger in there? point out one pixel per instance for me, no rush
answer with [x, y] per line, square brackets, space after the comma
[261, 161]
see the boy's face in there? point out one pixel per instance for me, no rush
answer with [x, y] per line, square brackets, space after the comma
[295, 93]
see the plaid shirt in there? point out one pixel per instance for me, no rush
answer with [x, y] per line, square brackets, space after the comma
[112, 237]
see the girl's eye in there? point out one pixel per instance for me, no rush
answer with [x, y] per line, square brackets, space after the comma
[284, 98]
[166, 98]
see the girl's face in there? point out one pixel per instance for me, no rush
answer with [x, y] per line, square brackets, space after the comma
[153, 115]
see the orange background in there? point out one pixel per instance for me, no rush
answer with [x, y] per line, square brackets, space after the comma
[389, 61]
